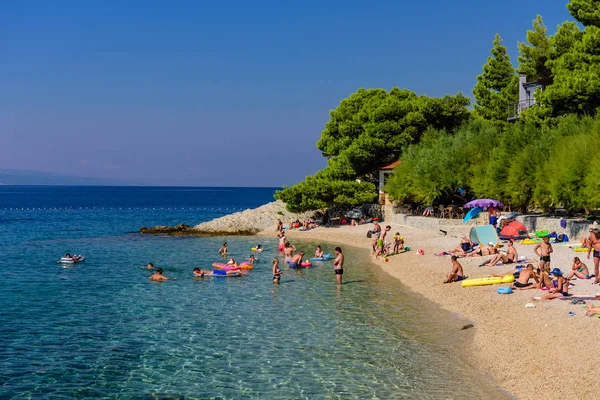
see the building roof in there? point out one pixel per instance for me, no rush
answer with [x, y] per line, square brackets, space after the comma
[392, 165]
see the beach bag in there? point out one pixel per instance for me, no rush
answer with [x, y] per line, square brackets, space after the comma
[369, 234]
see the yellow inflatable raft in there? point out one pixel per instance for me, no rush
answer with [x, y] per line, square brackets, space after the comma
[581, 249]
[488, 281]
[530, 241]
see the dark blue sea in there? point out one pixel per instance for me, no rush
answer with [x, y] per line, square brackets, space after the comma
[101, 329]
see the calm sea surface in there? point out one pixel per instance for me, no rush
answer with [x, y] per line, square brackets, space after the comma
[102, 329]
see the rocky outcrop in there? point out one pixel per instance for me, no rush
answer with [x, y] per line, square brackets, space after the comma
[248, 222]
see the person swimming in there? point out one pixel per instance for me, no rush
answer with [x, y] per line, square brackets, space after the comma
[158, 276]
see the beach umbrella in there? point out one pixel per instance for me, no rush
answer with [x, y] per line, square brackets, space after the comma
[484, 203]
[474, 212]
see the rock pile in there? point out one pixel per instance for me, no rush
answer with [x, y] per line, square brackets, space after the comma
[248, 222]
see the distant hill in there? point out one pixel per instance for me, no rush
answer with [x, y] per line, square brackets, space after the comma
[24, 177]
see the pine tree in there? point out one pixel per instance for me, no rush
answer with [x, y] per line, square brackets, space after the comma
[497, 86]
[535, 55]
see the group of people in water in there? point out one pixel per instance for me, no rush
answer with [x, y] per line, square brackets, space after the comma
[527, 277]
[294, 258]
[291, 256]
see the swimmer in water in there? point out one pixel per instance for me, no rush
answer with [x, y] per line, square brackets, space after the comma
[223, 250]
[158, 276]
[149, 266]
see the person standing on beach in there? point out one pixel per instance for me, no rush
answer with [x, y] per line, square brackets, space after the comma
[381, 242]
[158, 276]
[493, 214]
[545, 248]
[276, 271]
[595, 246]
[338, 265]
[457, 271]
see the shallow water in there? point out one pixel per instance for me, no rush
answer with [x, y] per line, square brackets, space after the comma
[102, 329]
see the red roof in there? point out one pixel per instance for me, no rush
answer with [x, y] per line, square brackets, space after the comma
[392, 165]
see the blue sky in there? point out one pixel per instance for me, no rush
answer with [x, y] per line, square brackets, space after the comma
[231, 93]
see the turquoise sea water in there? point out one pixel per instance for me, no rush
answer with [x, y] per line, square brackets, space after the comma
[102, 329]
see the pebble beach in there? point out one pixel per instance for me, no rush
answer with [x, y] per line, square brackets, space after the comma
[541, 352]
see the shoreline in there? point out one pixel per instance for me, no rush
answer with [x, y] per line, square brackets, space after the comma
[520, 348]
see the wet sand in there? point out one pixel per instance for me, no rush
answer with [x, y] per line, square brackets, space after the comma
[533, 353]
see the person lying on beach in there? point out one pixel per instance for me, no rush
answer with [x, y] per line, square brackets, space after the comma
[510, 257]
[223, 250]
[288, 251]
[463, 248]
[543, 250]
[149, 266]
[524, 275]
[484, 251]
[457, 271]
[591, 310]
[579, 270]
[158, 276]
[276, 271]
[319, 252]
[296, 261]
[561, 288]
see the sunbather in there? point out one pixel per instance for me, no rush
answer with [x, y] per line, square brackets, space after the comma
[463, 248]
[457, 272]
[524, 276]
[579, 270]
[484, 251]
[561, 289]
[591, 310]
[510, 257]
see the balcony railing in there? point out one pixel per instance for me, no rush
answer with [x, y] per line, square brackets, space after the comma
[515, 109]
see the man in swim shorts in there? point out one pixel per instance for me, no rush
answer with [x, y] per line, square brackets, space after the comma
[525, 275]
[595, 246]
[510, 257]
[545, 248]
[338, 265]
[296, 261]
[457, 271]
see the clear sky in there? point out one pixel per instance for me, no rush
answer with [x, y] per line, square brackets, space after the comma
[231, 93]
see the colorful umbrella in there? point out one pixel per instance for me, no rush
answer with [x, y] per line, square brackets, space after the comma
[472, 214]
[484, 203]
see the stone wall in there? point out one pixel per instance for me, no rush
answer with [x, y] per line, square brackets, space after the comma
[575, 227]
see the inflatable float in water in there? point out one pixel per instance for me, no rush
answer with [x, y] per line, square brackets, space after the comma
[326, 257]
[226, 267]
[493, 280]
[71, 260]
[223, 274]
[306, 264]
[246, 265]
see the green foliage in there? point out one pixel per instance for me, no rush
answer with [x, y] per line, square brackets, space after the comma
[524, 165]
[317, 192]
[369, 129]
[372, 127]
[585, 11]
[534, 56]
[497, 86]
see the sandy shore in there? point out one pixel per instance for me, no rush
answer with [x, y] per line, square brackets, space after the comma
[533, 353]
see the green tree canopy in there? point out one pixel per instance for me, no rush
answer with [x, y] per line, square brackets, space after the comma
[369, 129]
[534, 56]
[576, 87]
[497, 85]
[372, 127]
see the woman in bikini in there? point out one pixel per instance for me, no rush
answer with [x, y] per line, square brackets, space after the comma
[276, 271]
[579, 270]
[484, 251]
